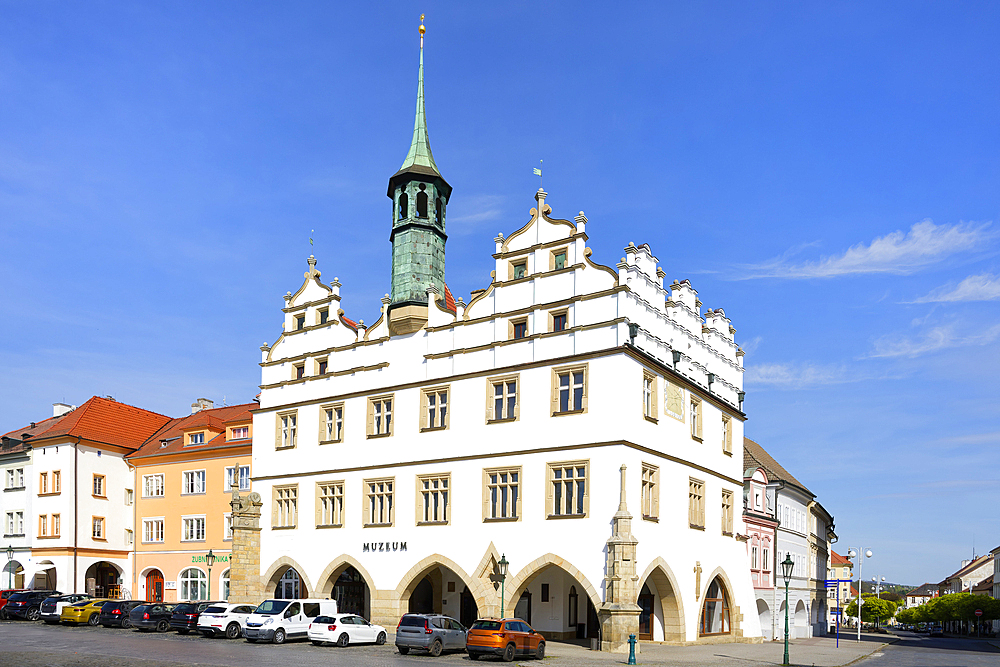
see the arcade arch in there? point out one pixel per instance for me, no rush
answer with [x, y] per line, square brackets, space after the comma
[555, 585]
[437, 585]
[662, 616]
[286, 579]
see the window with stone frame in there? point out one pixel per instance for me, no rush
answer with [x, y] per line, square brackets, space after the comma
[43, 483]
[97, 528]
[518, 328]
[569, 390]
[649, 396]
[330, 504]
[650, 492]
[727, 512]
[379, 507]
[285, 506]
[558, 320]
[501, 398]
[56, 481]
[557, 259]
[331, 427]
[56, 525]
[696, 503]
[322, 366]
[43, 525]
[568, 489]
[727, 435]
[298, 371]
[696, 417]
[380, 421]
[286, 429]
[518, 269]
[434, 409]
[434, 499]
[98, 489]
[502, 494]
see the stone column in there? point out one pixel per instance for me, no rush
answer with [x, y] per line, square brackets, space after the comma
[245, 586]
[619, 615]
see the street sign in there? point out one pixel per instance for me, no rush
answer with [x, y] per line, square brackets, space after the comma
[979, 612]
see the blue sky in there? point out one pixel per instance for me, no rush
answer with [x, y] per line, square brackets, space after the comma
[827, 173]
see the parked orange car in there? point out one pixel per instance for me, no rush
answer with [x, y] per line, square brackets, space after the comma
[506, 637]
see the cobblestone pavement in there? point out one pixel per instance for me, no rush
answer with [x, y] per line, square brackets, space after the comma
[38, 645]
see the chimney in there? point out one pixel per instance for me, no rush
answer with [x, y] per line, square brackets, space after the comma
[965, 563]
[201, 404]
[59, 409]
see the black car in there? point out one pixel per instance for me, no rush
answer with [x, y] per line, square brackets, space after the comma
[185, 616]
[151, 616]
[115, 614]
[27, 605]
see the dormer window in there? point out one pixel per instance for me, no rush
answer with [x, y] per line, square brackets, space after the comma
[422, 202]
[196, 439]
[240, 433]
[300, 322]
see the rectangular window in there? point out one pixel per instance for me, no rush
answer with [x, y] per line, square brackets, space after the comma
[519, 270]
[569, 390]
[545, 592]
[727, 512]
[43, 483]
[727, 434]
[558, 321]
[568, 492]
[99, 486]
[321, 366]
[379, 501]
[753, 558]
[559, 259]
[503, 493]
[502, 399]
[298, 371]
[649, 396]
[244, 478]
[380, 416]
[227, 523]
[240, 433]
[286, 506]
[519, 329]
[434, 408]
[56, 525]
[650, 491]
[330, 503]
[193, 481]
[696, 503]
[152, 486]
[332, 427]
[287, 430]
[674, 400]
[300, 322]
[129, 497]
[19, 478]
[152, 530]
[433, 499]
[193, 529]
[43, 525]
[56, 481]
[695, 409]
[15, 523]
[97, 531]
[10, 478]
[129, 537]
[324, 315]
[196, 438]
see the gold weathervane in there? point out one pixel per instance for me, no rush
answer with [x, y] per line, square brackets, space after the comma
[423, 29]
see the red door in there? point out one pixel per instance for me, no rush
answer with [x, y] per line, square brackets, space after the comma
[154, 586]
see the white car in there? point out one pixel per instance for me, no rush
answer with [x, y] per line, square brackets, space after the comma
[344, 629]
[51, 608]
[225, 619]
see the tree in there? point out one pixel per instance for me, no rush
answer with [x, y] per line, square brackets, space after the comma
[873, 609]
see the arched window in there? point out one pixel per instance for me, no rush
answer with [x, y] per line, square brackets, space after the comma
[715, 612]
[224, 585]
[288, 586]
[437, 210]
[194, 584]
[404, 204]
[422, 202]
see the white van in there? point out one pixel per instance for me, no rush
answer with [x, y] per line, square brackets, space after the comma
[278, 620]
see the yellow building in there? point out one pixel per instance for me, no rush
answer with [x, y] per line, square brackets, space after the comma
[183, 477]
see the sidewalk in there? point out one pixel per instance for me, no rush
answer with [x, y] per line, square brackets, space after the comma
[818, 651]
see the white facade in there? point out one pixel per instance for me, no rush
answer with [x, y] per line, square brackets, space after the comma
[15, 510]
[793, 538]
[572, 320]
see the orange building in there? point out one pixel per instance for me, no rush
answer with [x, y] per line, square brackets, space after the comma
[183, 477]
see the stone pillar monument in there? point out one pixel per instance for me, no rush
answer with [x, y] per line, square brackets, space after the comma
[619, 615]
[245, 585]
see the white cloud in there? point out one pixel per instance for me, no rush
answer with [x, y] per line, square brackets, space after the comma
[897, 253]
[984, 287]
[471, 214]
[937, 338]
[797, 376]
[751, 345]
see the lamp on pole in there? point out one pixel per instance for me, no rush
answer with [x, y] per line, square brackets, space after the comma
[851, 553]
[878, 590]
[10, 569]
[503, 564]
[210, 559]
[786, 574]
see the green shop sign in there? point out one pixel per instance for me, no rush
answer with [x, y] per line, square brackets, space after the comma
[224, 558]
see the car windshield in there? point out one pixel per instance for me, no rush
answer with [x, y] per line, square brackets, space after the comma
[486, 625]
[17, 596]
[215, 610]
[81, 604]
[272, 606]
[413, 621]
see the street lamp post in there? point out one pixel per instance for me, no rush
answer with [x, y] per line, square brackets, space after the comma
[210, 559]
[878, 590]
[786, 574]
[851, 553]
[503, 564]
[10, 569]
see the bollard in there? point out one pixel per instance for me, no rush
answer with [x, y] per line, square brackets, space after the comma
[631, 649]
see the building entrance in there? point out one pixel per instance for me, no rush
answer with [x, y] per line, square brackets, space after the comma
[645, 601]
[350, 592]
[154, 586]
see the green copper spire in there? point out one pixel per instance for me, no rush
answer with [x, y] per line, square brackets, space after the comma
[420, 157]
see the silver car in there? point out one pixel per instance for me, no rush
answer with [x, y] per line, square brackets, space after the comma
[431, 632]
[51, 609]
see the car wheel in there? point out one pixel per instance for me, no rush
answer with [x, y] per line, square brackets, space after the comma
[403, 650]
[33, 614]
[233, 631]
[126, 623]
[436, 648]
[508, 653]
[94, 618]
[343, 640]
[279, 636]
[380, 639]
[540, 651]
[183, 631]
[162, 626]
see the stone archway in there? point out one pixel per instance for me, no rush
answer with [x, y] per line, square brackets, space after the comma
[735, 615]
[447, 581]
[278, 569]
[801, 620]
[669, 608]
[565, 576]
[103, 579]
[764, 617]
[347, 567]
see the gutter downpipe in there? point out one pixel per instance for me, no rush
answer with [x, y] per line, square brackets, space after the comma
[135, 500]
[76, 506]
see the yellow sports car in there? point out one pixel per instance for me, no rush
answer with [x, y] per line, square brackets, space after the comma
[88, 611]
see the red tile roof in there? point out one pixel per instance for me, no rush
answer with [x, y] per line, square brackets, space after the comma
[449, 299]
[754, 455]
[837, 559]
[349, 322]
[173, 431]
[106, 421]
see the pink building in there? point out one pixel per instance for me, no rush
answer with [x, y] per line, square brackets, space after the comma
[761, 523]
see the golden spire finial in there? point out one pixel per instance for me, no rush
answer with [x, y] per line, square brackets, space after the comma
[423, 29]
